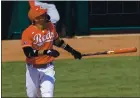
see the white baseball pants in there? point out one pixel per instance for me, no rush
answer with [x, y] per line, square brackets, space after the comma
[40, 81]
[52, 11]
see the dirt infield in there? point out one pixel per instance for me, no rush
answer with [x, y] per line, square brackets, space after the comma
[11, 49]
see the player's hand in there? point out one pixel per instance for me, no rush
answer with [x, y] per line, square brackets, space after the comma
[52, 52]
[76, 54]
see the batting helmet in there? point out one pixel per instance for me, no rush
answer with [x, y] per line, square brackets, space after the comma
[35, 12]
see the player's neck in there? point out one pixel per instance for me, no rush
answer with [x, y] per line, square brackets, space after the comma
[41, 27]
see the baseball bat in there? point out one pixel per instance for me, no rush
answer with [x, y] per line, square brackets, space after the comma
[116, 51]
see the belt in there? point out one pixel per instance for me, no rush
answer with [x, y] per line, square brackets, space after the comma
[39, 65]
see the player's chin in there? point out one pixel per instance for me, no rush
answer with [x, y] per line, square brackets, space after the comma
[43, 23]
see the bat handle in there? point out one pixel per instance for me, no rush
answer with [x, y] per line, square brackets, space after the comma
[84, 55]
[97, 53]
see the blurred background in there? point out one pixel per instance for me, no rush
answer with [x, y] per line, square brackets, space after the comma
[76, 18]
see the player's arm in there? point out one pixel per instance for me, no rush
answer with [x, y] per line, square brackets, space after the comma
[26, 44]
[61, 43]
[29, 52]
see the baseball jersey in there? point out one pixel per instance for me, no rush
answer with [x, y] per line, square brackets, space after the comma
[39, 40]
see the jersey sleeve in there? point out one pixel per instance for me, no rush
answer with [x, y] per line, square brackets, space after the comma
[52, 27]
[26, 39]
[55, 35]
[54, 30]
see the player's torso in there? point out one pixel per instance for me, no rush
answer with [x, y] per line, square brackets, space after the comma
[41, 40]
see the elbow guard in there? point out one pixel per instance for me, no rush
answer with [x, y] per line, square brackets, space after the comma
[59, 43]
[28, 51]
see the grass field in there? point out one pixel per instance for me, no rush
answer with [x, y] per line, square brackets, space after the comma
[94, 77]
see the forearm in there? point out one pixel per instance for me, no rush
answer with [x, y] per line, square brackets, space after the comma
[61, 44]
[50, 52]
[29, 52]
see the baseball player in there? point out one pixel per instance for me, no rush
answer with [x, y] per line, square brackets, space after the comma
[51, 9]
[37, 44]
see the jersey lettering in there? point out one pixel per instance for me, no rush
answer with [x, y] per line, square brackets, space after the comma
[41, 39]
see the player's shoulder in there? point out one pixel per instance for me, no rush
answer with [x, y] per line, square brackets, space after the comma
[29, 29]
[50, 25]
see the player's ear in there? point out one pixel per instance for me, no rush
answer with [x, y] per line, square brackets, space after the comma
[33, 22]
[48, 17]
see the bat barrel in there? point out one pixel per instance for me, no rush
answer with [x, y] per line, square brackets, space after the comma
[125, 50]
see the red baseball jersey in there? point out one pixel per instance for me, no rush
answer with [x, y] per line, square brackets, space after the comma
[39, 40]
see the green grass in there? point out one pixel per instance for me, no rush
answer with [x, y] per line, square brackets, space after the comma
[94, 77]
